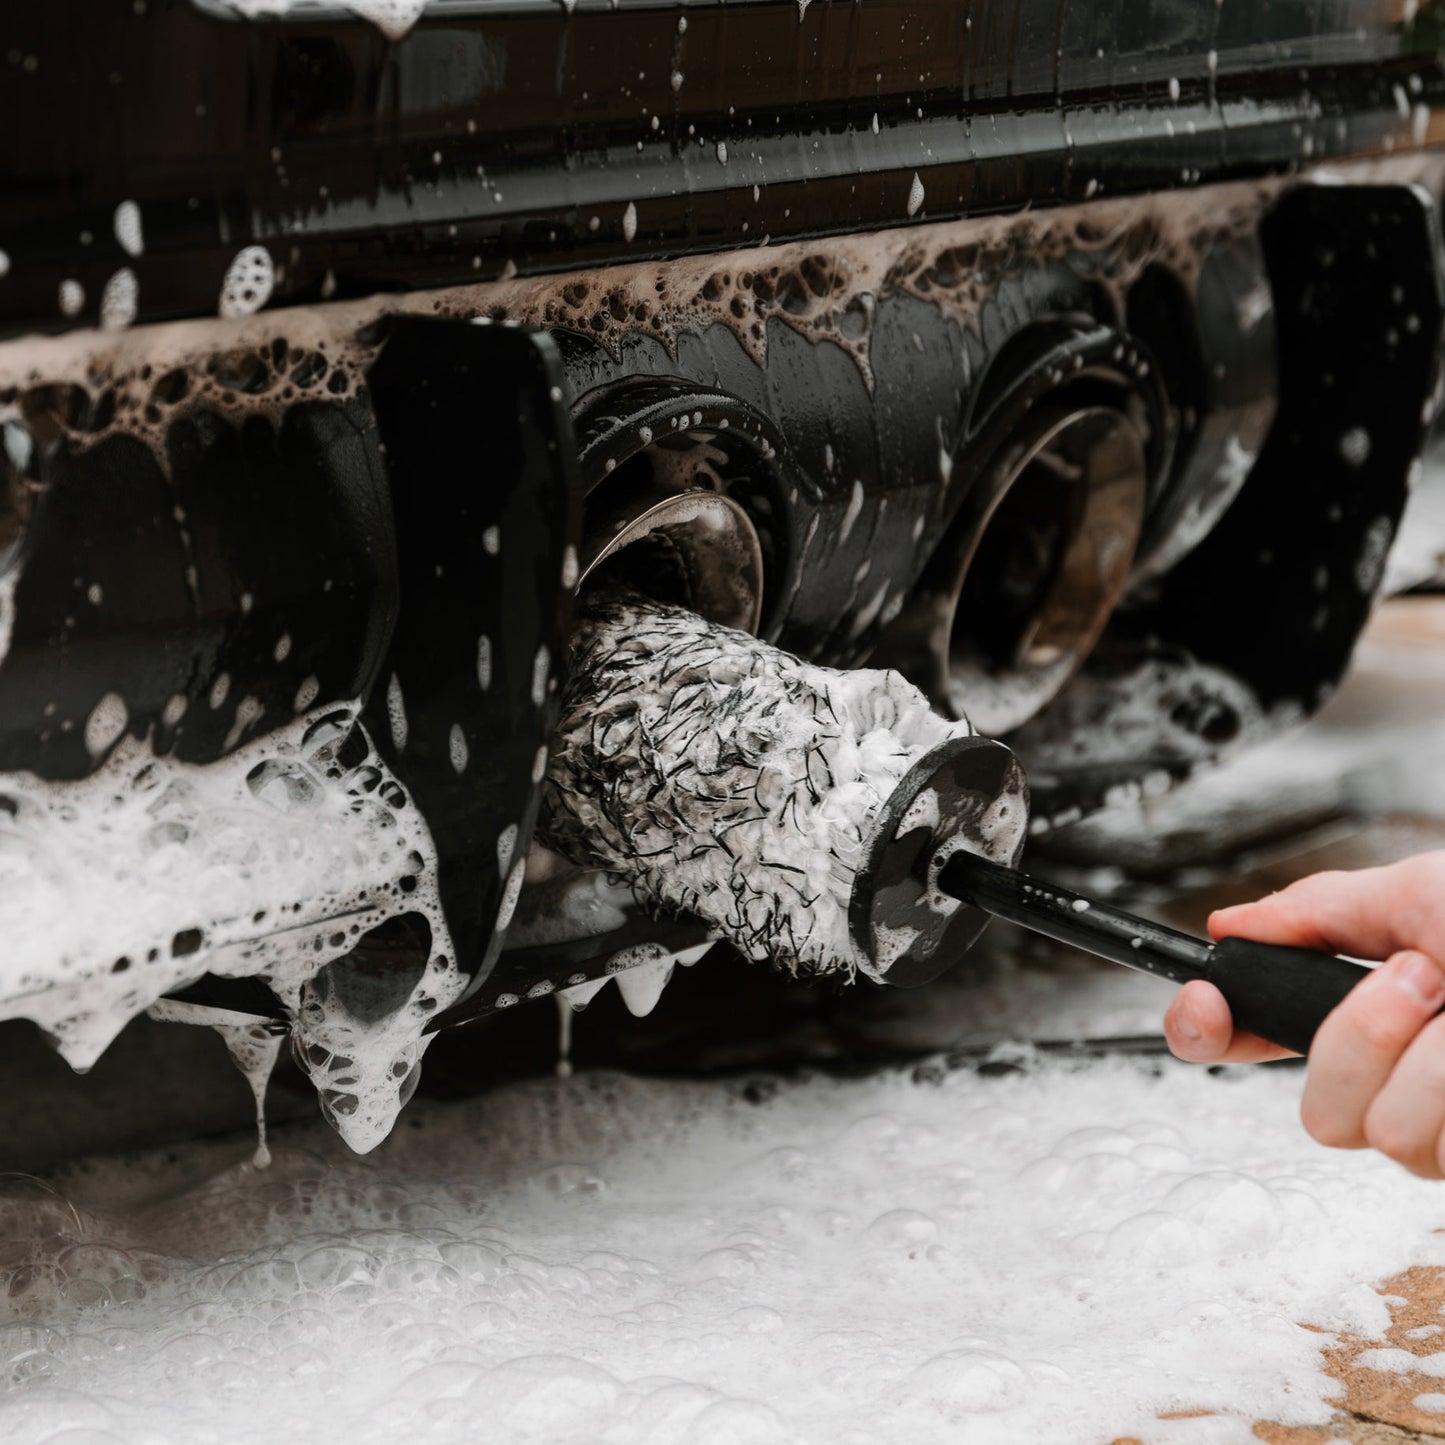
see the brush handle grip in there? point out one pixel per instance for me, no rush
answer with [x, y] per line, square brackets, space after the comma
[1280, 994]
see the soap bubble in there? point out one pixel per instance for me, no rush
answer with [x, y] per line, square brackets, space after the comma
[964, 1382]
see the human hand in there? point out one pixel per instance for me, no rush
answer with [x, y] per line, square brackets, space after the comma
[1377, 1066]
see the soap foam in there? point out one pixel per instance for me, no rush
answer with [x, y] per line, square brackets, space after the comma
[248, 282]
[825, 293]
[1057, 1256]
[254, 1049]
[272, 861]
[392, 17]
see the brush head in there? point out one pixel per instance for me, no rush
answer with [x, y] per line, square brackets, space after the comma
[968, 793]
[722, 778]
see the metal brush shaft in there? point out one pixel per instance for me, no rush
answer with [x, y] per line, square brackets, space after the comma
[1280, 994]
[1071, 918]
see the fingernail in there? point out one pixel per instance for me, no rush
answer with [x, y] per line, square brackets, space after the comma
[1185, 1026]
[1421, 977]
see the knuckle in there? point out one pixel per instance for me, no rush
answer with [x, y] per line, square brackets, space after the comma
[1327, 1127]
[1386, 1136]
[1378, 1029]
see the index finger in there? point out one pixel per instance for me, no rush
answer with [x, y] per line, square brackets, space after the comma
[1370, 913]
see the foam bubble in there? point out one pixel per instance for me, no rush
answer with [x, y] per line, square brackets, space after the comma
[396, 714]
[248, 282]
[105, 724]
[457, 748]
[71, 297]
[128, 228]
[119, 300]
[306, 693]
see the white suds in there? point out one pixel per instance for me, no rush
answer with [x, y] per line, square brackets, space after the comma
[511, 891]
[565, 1010]
[119, 300]
[581, 994]
[915, 195]
[851, 512]
[105, 724]
[392, 17]
[457, 748]
[128, 228]
[71, 297]
[396, 714]
[1354, 446]
[255, 1048]
[9, 581]
[272, 862]
[248, 714]
[248, 283]
[1053, 1257]
[641, 986]
[1138, 713]
[306, 694]
[1374, 551]
[629, 221]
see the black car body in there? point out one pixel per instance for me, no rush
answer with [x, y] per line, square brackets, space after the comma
[887, 274]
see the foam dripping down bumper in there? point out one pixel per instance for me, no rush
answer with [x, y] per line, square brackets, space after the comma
[802, 813]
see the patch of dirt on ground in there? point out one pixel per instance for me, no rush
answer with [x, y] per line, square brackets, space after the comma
[1378, 1407]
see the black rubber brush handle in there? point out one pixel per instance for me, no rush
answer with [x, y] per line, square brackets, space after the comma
[1280, 994]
